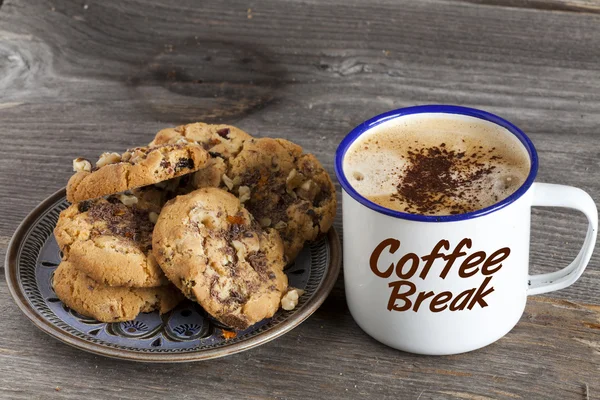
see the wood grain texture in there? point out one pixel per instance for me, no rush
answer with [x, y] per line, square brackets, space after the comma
[81, 77]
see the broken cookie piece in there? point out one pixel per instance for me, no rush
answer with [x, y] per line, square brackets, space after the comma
[137, 167]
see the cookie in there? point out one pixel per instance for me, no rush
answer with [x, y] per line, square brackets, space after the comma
[214, 251]
[135, 168]
[220, 140]
[283, 188]
[107, 303]
[110, 239]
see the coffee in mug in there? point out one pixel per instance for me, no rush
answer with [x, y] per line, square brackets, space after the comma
[436, 164]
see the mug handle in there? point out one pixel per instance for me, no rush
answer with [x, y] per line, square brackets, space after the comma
[550, 195]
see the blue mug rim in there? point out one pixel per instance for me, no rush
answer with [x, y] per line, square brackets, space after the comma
[434, 109]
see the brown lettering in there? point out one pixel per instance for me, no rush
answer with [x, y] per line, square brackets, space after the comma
[394, 245]
[439, 300]
[421, 296]
[502, 254]
[478, 297]
[471, 262]
[460, 302]
[413, 268]
[397, 295]
[456, 253]
[408, 265]
[435, 253]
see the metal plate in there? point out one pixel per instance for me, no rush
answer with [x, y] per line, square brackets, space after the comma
[185, 334]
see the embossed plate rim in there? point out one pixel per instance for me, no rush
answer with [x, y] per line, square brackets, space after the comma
[14, 249]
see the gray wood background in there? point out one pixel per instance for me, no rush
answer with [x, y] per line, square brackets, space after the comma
[81, 77]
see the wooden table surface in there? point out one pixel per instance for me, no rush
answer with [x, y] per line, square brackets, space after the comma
[81, 77]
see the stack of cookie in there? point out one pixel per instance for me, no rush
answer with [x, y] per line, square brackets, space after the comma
[205, 211]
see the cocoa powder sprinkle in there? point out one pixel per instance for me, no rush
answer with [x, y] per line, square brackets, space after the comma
[435, 180]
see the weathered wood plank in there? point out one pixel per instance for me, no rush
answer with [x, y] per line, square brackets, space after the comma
[76, 81]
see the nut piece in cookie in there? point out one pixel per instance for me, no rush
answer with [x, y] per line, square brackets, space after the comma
[212, 249]
[110, 239]
[135, 168]
[289, 301]
[108, 303]
[82, 165]
[283, 188]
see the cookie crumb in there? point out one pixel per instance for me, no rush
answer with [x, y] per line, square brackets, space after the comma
[290, 300]
[229, 334]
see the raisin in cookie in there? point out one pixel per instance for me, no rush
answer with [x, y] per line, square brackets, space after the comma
[212, 249]
[109, 303]
[135, 168]
[110, 239]
[284, 188]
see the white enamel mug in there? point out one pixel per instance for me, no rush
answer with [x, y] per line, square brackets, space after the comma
[449, 284]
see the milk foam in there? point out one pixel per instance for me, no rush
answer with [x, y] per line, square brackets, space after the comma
[376, 163]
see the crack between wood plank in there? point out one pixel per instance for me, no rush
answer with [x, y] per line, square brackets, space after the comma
[542, 5]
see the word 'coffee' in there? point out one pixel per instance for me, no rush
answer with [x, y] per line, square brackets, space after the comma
[436, 164]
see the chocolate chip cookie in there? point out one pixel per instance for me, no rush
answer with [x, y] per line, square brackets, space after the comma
[214, 251]
[109, 303]
[137, 167]
[283, 188]
[110, 239]
[221, 141]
